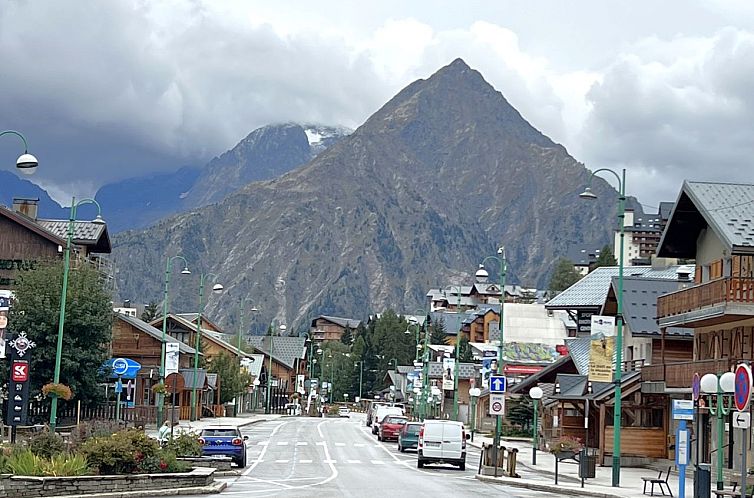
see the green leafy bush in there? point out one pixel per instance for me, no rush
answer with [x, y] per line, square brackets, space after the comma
[185, 444]
[46, 444]
[25, 463]
[164, 461]
[63, 465]
[95, 428]
[120, 453]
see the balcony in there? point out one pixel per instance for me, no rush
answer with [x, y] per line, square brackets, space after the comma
[681, 374]
[717, 301]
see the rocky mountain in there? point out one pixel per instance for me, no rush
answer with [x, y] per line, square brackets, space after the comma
[432, 183]
[13, 186]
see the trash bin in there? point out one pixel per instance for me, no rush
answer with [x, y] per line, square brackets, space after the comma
[702, 484]
[587, 465]
[230, 409]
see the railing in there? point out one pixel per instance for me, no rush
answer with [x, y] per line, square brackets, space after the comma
[719, 291]
[681, 374]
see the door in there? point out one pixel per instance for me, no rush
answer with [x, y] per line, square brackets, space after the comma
[433, 439]
[452, 441]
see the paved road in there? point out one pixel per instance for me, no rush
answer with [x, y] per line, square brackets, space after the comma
[301, 457]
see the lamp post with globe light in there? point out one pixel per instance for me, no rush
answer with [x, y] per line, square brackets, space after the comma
[535, 393]
[217, 289]
[474, 393]
[617, 415]
[26, 163]
[64, 295]
[719, 387]
[282, 329]
[254, 309]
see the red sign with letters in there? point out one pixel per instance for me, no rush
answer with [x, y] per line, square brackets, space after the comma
[20, 371]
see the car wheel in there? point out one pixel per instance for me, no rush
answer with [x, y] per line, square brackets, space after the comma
[420, 464]
[401, 448]
[462, 465]
[379, 437]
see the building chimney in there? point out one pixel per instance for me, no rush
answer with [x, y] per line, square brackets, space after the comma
[27, 207]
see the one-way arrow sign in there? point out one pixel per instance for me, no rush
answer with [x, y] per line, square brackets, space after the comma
[742, 420]
[497, 384]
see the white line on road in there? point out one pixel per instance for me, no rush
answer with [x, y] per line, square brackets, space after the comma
[340, 444]
[301, 443]
[329, 461]
[319, 429]
[282, 443]
[282, 461]
[378, 462]
[321, 443]
[359, 445]
[263, 443]
[304, 461]
[264, 450]
[353, 461]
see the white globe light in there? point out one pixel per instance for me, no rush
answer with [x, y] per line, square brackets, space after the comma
[728, 382]
[475, 392]
[27, 164]
[708, 384]
[536, 392]
[217, 288]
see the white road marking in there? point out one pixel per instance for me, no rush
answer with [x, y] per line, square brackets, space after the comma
[321, 443]
[263, 443]
[301, 443]
[304, 461]
[329, 461]
[359, 445]
[264, 450]
[340, 444]
[353, 461]
[282, 461]
[282, 443]
[378, 462]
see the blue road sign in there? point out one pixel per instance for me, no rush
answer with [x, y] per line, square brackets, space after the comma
[120, 366]
[118, 386]
[497, 384]
[115, 365]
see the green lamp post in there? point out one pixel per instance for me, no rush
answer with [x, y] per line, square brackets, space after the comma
[423, 405]
[720, 387]
[456, 362]
[535, 393]
[238, 346]
[64, 294]
[268, 404]
[26, 163]
[482, 274]
[217, 289]
[474, 393]
[617, 416]
[361, 375]
[165, 305]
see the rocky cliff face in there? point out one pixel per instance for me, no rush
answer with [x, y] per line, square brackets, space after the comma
[432, 183]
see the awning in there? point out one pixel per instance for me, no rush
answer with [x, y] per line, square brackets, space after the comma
[522, 369]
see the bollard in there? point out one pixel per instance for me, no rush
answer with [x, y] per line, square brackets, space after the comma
[512, 462]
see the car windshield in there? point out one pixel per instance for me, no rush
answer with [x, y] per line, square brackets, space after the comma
[395, 420]
[220, 433]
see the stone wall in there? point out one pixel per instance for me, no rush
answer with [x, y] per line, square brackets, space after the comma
[12, 486]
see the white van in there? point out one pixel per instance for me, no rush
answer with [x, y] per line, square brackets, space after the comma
[442, 441]
[382, 412]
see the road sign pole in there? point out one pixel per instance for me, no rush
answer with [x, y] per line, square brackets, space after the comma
[117, 401]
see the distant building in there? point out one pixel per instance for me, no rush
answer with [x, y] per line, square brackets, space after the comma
[332, 328]
[642, 235]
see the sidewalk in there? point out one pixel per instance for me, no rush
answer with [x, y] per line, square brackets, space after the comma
[198, 425]
[542, 476]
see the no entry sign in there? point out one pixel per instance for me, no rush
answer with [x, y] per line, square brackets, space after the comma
[742, 392]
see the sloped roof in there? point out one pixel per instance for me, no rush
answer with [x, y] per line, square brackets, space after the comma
[153, 332]
[728, 208]
[640, 304]
[86, 233]
[284, 349]
[591, 291]
[579, 350]
[256, 365]
[452, 320]
[30, 224]
[188, 377]
[208, 334]
[343, 322]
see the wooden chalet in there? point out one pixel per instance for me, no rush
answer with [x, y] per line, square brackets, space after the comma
[331, 328]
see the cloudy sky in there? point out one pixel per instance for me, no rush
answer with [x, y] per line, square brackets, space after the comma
[108, 90]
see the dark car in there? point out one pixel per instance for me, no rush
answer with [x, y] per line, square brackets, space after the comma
[408, 437]
[390, 426]
[226, 441]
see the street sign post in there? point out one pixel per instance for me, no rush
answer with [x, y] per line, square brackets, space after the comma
[683, 409]
[741, 396]
[742, 420]
[682, 444]
[497, 404]
[498, 384]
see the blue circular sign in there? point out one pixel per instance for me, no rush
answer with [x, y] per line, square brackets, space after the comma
[120, 366]
[742, 392]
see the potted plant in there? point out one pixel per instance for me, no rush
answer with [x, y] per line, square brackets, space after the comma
[56, 389]
[566, 447]
[159, 388]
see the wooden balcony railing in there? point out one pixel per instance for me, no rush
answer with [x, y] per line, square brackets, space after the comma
[719, 291]
[681, 374]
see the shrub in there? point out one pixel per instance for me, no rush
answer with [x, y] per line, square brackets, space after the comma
[185, 444]
[332, 410]
[164, 461]
[25, 463]
[566, 443]
[46, 444]
[63, 465]
[95, 428]
[120, 453]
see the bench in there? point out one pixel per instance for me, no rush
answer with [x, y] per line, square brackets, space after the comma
[662, 483]
[732, 478]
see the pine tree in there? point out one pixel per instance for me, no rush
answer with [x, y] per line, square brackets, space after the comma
[150, 312]
[347, 337]
[464, 351]
[437, 333]
[564, 275]
[606, 258]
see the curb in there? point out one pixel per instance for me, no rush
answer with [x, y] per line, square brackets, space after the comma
[214, 488]
[551, 488]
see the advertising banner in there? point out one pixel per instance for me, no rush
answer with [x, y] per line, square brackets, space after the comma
[448, 371]
[602, 348]
[489, 367]
[171, 357]
[4, 312]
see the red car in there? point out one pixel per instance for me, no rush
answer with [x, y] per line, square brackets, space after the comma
[390, 427]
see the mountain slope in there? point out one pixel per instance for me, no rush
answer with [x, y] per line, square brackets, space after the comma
[432, 183]
[12, 186]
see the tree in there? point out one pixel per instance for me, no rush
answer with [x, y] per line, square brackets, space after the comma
[87, 330]
[347, 337]
[150, 312]
[437, 333]
[464, 351]
[232, 379]
[606, 258]
[564, 275]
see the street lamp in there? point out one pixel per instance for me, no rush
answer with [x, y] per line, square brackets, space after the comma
[458, 349]
[217, 289]
[26, 163]
[168, 270]
[474, 393]
[238, 345]
[617, 416]
[535, 393]
[282, 329]
[361, 375]
[482, 274]
[64, 294]
[719, 385]
[256, 389]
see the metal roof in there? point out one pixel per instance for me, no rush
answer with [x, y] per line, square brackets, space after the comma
[284, 349]
[579, 350]
[84, 233]
[591, 291]
[348, 323]
[188, 377]
[640, 304]
[153, 332]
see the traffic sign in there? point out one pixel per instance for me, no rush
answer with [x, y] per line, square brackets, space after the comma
[497, 404]
[696, 386]
[742, 420]
[742, 392]
[497, 384]
[683, 409]
[120, 366]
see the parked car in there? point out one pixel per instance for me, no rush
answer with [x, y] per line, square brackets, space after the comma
[344, 411]
[408, 437]
[372, 411]
[442, 441]
[390, 426]
[381, 413]
[226, 441]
